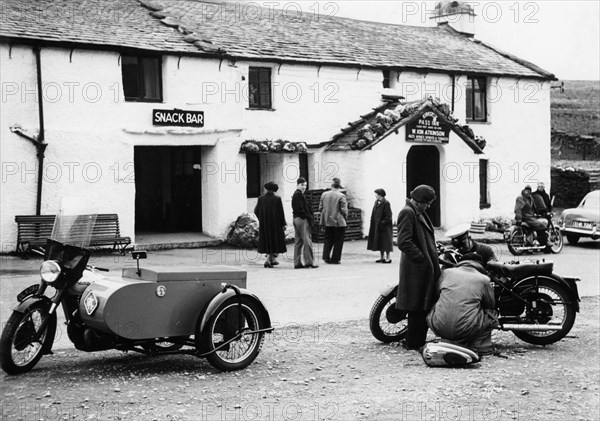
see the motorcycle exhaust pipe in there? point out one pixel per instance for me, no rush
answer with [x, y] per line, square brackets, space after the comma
[533, 327]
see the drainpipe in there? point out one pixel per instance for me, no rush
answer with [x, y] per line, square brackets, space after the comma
[453, 88]
[38, 141]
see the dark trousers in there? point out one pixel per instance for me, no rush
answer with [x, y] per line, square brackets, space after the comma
[334, 242]
[416, 332]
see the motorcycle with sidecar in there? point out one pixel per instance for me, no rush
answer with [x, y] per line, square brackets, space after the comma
[537, 305]
[200, 311]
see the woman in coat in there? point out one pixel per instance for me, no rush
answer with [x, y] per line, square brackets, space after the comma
[419, 266]
[271, 229]
[380, 230]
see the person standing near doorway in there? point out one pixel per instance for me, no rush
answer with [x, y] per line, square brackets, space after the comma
[334, 212]
[303, 221]
[419, 266]
[381, 231]
[271, 229]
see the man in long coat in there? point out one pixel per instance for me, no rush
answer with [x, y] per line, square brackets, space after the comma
[271, 228]
[381, 230]
[419, 267]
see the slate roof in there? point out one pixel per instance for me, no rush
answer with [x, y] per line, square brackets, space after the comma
[233, 30]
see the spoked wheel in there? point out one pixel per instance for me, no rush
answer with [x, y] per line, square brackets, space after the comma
[553, 307]
[229, 334]
[20, 353]
[516, 242]
[387, 323]
[555, 240]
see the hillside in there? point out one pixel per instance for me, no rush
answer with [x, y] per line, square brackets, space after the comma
[577, 109]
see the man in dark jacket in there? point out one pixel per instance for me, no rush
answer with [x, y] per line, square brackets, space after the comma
[303, 220]
[525, 211]
[542, 200]
[271, 229]
[419, 267]
[465, 245]
[465, 311]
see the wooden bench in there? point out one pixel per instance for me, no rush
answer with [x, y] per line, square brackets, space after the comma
[33, 230]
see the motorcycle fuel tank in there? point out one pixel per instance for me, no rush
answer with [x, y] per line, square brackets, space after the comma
[161, 302]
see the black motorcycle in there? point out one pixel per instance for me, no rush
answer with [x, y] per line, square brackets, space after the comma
[537, 305]
[522, 238]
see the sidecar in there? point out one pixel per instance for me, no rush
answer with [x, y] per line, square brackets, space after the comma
[159, 309]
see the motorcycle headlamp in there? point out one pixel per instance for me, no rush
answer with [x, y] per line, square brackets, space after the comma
[49, 271]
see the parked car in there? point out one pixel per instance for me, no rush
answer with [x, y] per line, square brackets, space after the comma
[584, 220]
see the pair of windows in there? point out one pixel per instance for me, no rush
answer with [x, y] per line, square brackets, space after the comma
[142, 81]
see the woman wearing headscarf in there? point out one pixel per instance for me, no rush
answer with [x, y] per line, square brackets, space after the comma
[271, 229]
[380, 230]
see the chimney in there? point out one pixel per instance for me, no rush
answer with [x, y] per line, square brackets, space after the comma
[457, 15]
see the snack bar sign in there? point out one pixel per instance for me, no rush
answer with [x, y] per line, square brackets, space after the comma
[178, 118]
[428, 129]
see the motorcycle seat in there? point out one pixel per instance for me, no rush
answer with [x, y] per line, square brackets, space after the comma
[521, 270]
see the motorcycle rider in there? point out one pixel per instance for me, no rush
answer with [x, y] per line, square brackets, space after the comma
[465, 245]
[465, 312]
[541, 200]
[525, 211]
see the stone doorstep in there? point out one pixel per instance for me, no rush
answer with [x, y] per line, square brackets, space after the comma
[179, 245]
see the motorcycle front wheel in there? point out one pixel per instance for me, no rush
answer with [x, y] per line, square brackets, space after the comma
[19, 353]
[383, 320]
[553, 307]
[229, 337]
[516, 242]
[555, 240]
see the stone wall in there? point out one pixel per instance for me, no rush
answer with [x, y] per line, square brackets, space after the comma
[574, 147]
[569, 186]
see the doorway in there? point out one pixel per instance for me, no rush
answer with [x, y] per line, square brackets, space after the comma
[423, 167]
[168, 189]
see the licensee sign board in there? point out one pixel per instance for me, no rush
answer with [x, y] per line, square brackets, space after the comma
[428, 129]
[178, 118]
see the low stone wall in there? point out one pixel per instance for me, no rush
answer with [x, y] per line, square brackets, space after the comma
[574, 146]
[569, 186]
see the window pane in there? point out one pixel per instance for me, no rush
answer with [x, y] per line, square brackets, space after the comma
[259, 87]
[470, 99]
[151, 74]
[129, 69]
[479, 106]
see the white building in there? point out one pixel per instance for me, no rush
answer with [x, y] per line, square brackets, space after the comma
[224, 74]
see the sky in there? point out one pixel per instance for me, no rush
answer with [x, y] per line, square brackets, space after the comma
[562, 37]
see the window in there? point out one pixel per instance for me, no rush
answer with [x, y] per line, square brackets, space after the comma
[476, 99]
[484, 202]
[142, 78]
[253, 187]
[259, 87]
[386, 78]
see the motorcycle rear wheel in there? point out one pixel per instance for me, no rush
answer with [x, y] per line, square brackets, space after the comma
[555, 301]
[381, 328]
[555, 240]
[516, 242]
[223, 326]
[19, 357]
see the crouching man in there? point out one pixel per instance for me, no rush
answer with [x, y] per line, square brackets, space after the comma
[464, 313]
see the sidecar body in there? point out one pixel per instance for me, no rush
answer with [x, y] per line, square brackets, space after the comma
[159, 302]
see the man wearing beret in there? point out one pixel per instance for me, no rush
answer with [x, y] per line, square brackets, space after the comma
[419, 267]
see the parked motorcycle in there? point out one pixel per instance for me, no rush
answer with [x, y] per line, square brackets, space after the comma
[537, 305]
[522, 238]
[205, 312]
